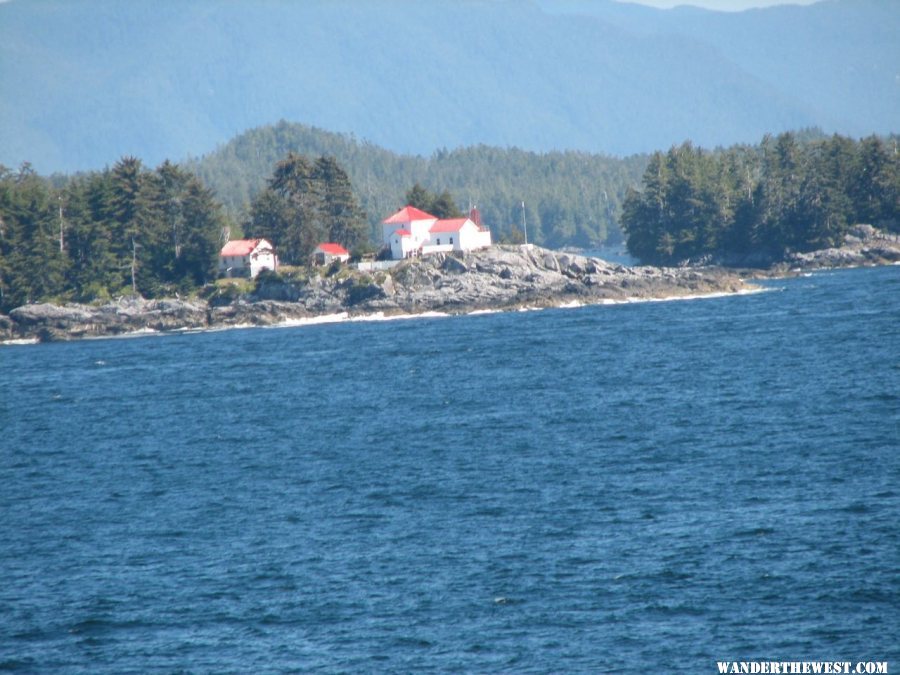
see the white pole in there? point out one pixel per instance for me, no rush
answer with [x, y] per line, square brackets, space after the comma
[524, 224]
[61, 247]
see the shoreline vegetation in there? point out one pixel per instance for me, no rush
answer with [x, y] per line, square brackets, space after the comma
[501, 278]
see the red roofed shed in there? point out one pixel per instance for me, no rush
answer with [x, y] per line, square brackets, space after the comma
[327, 252]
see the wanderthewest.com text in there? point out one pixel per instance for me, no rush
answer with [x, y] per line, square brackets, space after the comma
[800, 667]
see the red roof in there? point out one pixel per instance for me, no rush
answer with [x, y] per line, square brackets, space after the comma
[449, 225]
[239, 247]
[403, 233]
[408, 214]
[332, 249]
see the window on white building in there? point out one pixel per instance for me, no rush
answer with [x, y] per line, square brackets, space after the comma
[451, 240]
[439, 241]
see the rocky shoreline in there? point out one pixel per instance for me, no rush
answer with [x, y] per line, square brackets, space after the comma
[499, 278]
[864, 246]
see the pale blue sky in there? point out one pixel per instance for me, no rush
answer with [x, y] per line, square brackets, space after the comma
[722, 5]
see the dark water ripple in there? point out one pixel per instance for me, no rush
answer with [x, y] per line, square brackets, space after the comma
[633, 488]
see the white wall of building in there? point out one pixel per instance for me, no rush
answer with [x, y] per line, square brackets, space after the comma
[417, 228]
[466, 238]
[402, 246]
[437, 248]
[261, 259]
[470, 237]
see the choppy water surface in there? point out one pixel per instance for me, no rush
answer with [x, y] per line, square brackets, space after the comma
[631, 488]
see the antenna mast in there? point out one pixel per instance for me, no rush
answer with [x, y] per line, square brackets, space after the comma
[524, 224]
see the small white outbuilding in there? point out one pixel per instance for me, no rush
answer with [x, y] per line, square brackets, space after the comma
[327, 252]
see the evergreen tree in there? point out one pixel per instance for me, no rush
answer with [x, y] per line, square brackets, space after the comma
[824, 206]
[289, 211]
[173, 183]
[124, 207]
[33, 265]
[342, 215]
[781, 225]
[306, 204]
[203, 235]
[440, 206]
[7, 245]
[93, 272]
[420, 198]
[645, 214]
[875, 184]
[443, 206]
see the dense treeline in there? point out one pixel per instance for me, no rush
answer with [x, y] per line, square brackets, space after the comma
[571, 198]
[757, 203]
[122, 230]
[305, 203]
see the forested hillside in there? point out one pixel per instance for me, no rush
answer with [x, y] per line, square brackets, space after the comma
[85, 83]
[571, 198]
[753, 204]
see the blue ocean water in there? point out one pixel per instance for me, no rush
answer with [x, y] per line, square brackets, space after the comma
[632, 488]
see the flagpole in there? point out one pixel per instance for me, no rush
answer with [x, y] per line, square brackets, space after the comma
[524, 224]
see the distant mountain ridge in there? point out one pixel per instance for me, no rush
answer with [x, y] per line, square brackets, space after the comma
[86, 82]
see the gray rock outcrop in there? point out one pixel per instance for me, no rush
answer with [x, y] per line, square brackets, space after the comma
[501, 277]
[49, 322]
[863, 245]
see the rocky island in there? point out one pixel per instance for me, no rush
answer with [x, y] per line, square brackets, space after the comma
[497, 278]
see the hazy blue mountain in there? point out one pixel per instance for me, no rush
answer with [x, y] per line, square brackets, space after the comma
[84, 83]
[841, 57]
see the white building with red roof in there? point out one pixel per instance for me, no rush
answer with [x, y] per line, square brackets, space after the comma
[412, 232]
[327, 252]
[414, 222]
[246, 257]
